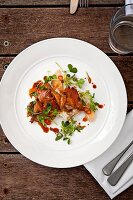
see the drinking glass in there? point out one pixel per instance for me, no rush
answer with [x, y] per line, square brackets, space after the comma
[121, 30]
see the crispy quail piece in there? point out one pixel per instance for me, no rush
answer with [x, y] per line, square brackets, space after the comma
[44, 96]
[37, 107]
[62, 101]
[57, 96]
[33, 89]
[47, 86]
[57, 84]
[73, 99]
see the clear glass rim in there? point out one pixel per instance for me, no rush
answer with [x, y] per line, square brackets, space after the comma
[130, 4]
[112, 20]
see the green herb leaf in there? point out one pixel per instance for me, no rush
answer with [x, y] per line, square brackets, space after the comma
[69, 141]
[83, 102]
[68, 75]
[41, 120]
[87, 97]
[42, 87]
[68, 128]
[29, 111]
[55, 112]
[80, 83]
[79, 128]
[49, 78]
[65, 138]
[72, 69]
[74, 78]
[48, 109]
[34, 94]
[54, 76]
[58, 137]
[65, 124]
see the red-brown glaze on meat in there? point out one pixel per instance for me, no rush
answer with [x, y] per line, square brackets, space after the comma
[44, 96]
[59, 98]
[72, 98]
[38, 107]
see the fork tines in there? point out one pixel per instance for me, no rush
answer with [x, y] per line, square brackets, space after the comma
[83, 3]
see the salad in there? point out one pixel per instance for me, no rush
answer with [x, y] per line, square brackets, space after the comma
[59, 93]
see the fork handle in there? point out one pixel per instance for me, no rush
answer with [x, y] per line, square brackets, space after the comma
[115, 177]
[107, 170]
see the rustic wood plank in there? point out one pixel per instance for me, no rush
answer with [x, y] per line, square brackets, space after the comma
[22, 27]
[33, 181]
[124, 64]
[55, 2]
[5, 145]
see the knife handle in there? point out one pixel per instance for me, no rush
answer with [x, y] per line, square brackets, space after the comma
[73, 6]
[107, 170]
[115, 177]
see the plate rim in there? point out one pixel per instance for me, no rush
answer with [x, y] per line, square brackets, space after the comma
[63, 38]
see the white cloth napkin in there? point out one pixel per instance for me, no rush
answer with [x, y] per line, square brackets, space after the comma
[129, 9]
[128, 1]
[95, 166]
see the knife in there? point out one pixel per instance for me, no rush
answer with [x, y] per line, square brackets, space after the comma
[115, 177]
[73, 6]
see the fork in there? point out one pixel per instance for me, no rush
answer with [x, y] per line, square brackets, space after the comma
[83, 3]
[107, 170]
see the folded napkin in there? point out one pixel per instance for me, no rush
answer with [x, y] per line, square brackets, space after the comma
[129, 9]
[95, 166]
[128, 2]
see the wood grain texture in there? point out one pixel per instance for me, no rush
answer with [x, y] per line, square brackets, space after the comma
[56, 2]
[21, 179]
[22, 27]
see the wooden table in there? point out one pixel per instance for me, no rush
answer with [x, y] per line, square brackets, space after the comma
[23, 23]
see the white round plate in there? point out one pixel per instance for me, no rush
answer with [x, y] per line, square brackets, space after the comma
[31, 65]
